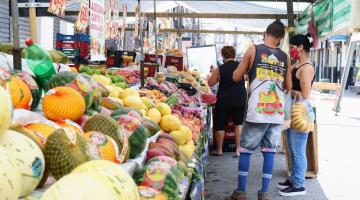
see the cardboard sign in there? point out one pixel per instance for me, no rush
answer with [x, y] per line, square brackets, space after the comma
[57, 7]
[97, 32]
[83, 17]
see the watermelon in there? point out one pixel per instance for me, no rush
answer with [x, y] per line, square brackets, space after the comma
[124, 111]
[76, 81]
[136, 132]
[160, 176]
[171, 161]
[151, 126]
[30, 81]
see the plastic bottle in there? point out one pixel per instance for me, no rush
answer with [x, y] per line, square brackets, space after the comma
[39, 62]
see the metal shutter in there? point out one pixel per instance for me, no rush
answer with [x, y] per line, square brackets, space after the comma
[4, 21]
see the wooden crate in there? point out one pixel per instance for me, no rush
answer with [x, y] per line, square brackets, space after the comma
[311, 154]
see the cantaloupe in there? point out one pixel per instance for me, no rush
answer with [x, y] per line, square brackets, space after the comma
[187, 132]
[28, 157]
[5, 110]
[113, 176]
[20, 93]
[133, 102]
[163, 108]
[78, 186]
[129, 92]
[62, 103]
[10, 180]
[107, 146]
[154, 114]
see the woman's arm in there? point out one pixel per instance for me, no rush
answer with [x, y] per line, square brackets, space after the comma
[214, 78]
[306, 75]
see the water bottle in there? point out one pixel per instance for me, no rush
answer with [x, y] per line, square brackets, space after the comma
[39, 62]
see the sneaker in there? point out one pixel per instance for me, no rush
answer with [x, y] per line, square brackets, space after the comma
[236, 195]
[284, 184]
[263, 196]
[292, 191]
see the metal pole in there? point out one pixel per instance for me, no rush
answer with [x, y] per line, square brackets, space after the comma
[16, 44]
[344, 78]
[142, 77]
[291, 22]
[155, 33]
[32, 20]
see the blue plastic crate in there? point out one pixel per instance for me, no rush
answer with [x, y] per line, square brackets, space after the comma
[82, 37]
[62, 37]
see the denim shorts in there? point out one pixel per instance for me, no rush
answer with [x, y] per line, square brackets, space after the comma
[265, 135]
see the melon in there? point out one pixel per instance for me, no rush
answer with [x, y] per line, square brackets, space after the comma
[42, 130]
[187, 132]
[169, 123]
[108, 126]
[179, 137]
[113, 176]
[66, 149]
[163, 108]
[129, 92]
[35, 90]
[160, 176]
[70, 124]
[28, 157]
[75, 81]
[6, 110]
[154, 114]
[79, 186]
[147, 102]
[149, 193]
[62, 103]
[107, 146]
[133, 102]
[10, 180]
[136, 132]
[20, 93]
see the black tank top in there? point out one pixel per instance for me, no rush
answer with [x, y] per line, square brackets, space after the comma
[295, 80]
[230, 93]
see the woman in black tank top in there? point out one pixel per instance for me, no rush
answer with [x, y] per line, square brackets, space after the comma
[303, 74]
[231, 100]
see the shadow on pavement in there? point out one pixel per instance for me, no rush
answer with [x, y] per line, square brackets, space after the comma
[221, 178]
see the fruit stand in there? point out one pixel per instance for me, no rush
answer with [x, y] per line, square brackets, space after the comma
[86, 123]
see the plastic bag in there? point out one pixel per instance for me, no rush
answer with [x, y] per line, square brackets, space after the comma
[287, 110]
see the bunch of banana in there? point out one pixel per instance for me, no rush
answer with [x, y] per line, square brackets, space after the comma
[300, 120]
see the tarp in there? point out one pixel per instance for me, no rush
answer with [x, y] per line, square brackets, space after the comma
[341, 14]
[323, 14]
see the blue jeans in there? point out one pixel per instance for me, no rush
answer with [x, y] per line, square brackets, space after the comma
[297, 150]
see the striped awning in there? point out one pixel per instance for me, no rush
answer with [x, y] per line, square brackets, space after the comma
[323, 15]
[341, 14]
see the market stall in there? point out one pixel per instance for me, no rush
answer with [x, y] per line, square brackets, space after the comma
[87, 125]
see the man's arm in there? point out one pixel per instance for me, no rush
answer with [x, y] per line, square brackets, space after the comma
[288, 78]
[214, 78]
[244, 65]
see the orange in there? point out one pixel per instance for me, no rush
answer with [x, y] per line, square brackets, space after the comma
[20, 93]
[62, 103]
[107, 146]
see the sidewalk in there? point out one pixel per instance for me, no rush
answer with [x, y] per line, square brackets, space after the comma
[339, 137]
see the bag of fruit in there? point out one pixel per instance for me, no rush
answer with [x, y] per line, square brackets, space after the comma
[302, 115]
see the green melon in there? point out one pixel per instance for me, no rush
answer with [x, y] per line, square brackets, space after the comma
[136, 132]
[151, 126]
[108, 126]
[160, 176]
[66, 149]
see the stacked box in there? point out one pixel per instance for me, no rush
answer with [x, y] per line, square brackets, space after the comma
[77, 45]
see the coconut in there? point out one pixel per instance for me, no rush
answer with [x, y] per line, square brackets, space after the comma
[113, 176]
[78, 186]
[66, 149]
[28, 157]
[10, 181]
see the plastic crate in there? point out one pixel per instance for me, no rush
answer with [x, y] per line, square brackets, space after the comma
[152, 58]
[62, 37]
[82, 37]
[152, 69]
[68, 52]
[174, 61]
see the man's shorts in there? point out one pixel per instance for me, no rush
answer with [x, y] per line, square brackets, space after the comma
[260, 134]
[222, 114]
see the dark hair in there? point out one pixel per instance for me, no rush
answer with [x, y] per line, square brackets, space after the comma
[276, 29]
[228, 52]
[301, 39]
